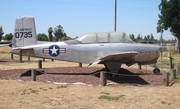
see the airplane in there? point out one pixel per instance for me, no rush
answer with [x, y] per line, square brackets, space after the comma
[109, 48]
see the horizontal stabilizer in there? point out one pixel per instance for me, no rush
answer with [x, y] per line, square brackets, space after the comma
[24, 51]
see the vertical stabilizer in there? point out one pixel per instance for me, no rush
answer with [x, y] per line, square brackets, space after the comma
[25, 32]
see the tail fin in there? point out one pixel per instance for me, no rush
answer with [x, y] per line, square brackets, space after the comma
[25, 32]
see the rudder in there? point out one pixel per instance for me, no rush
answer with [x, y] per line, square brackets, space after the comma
[25, 32]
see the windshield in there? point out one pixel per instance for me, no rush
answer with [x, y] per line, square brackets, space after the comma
[105, 37]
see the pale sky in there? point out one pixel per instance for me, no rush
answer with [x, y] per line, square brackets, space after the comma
[79, 17]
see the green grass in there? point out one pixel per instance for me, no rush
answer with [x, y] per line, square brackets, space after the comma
[42, 88]
[165, 60]
[50, 88]
[105, 93]
[34, 91]
[107, 96]
[61, 86]
[177, 80]
[29, 91]
[162, 102]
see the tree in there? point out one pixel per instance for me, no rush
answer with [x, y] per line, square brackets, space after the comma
[139, 38]
[148, 37]
[8, 36]
[64, 38]
[145, 38]
[132, 37]
[50, 31]
[1, 32]
[42, 37]
[58, 32]
[152, 37]
[169, 18]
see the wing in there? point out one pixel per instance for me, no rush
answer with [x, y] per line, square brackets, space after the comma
[123, 57]
[2, 44]
[27, 51]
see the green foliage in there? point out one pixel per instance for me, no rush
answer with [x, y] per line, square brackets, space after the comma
[162, 102]
[169, 17]
[107, 96]
[105, 93]
[25, 91]
[177, 79]
[139, 38]
[34, 91]
[43, 89]
[150, 38]
[50, 88]
[59, 32]
[61, 86]
[8, 36]
[132, 37]
[1, 32]
[42, 37]
[64, 38]
[165, 60]
[50, 31]
[145, 38]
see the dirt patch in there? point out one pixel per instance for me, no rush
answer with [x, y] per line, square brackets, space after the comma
[40, 95]
[84, 75]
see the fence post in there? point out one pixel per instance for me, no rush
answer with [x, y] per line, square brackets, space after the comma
[178, 70]
[20, 56]
[166, 79]
[173, 74]
[12, 56]
[33, 74]
[139, 67]
[80, 64]
[28, 58]
[103, 78]
[40, 64]
[171, 64]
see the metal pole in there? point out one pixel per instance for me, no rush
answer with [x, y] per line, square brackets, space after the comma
[161, 38]
[115, 15]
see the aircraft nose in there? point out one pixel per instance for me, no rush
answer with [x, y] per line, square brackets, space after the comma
[163, 48]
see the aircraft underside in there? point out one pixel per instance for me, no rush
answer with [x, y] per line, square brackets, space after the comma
[115, 66]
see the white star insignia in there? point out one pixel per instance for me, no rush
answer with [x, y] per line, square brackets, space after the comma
[54, 50]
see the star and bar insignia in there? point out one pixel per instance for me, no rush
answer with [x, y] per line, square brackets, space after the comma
[54, 50]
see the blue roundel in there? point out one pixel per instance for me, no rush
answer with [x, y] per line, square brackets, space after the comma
[54, 50]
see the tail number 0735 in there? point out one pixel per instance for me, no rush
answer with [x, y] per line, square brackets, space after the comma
[23, 34]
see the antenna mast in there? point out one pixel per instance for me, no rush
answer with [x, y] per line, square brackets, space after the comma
[115, 10]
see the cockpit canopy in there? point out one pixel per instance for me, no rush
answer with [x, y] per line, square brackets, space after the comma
[105, 37]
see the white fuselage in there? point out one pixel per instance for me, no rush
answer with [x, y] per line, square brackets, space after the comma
[88, 53]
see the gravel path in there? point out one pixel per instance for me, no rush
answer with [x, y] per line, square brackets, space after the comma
[84, 75]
